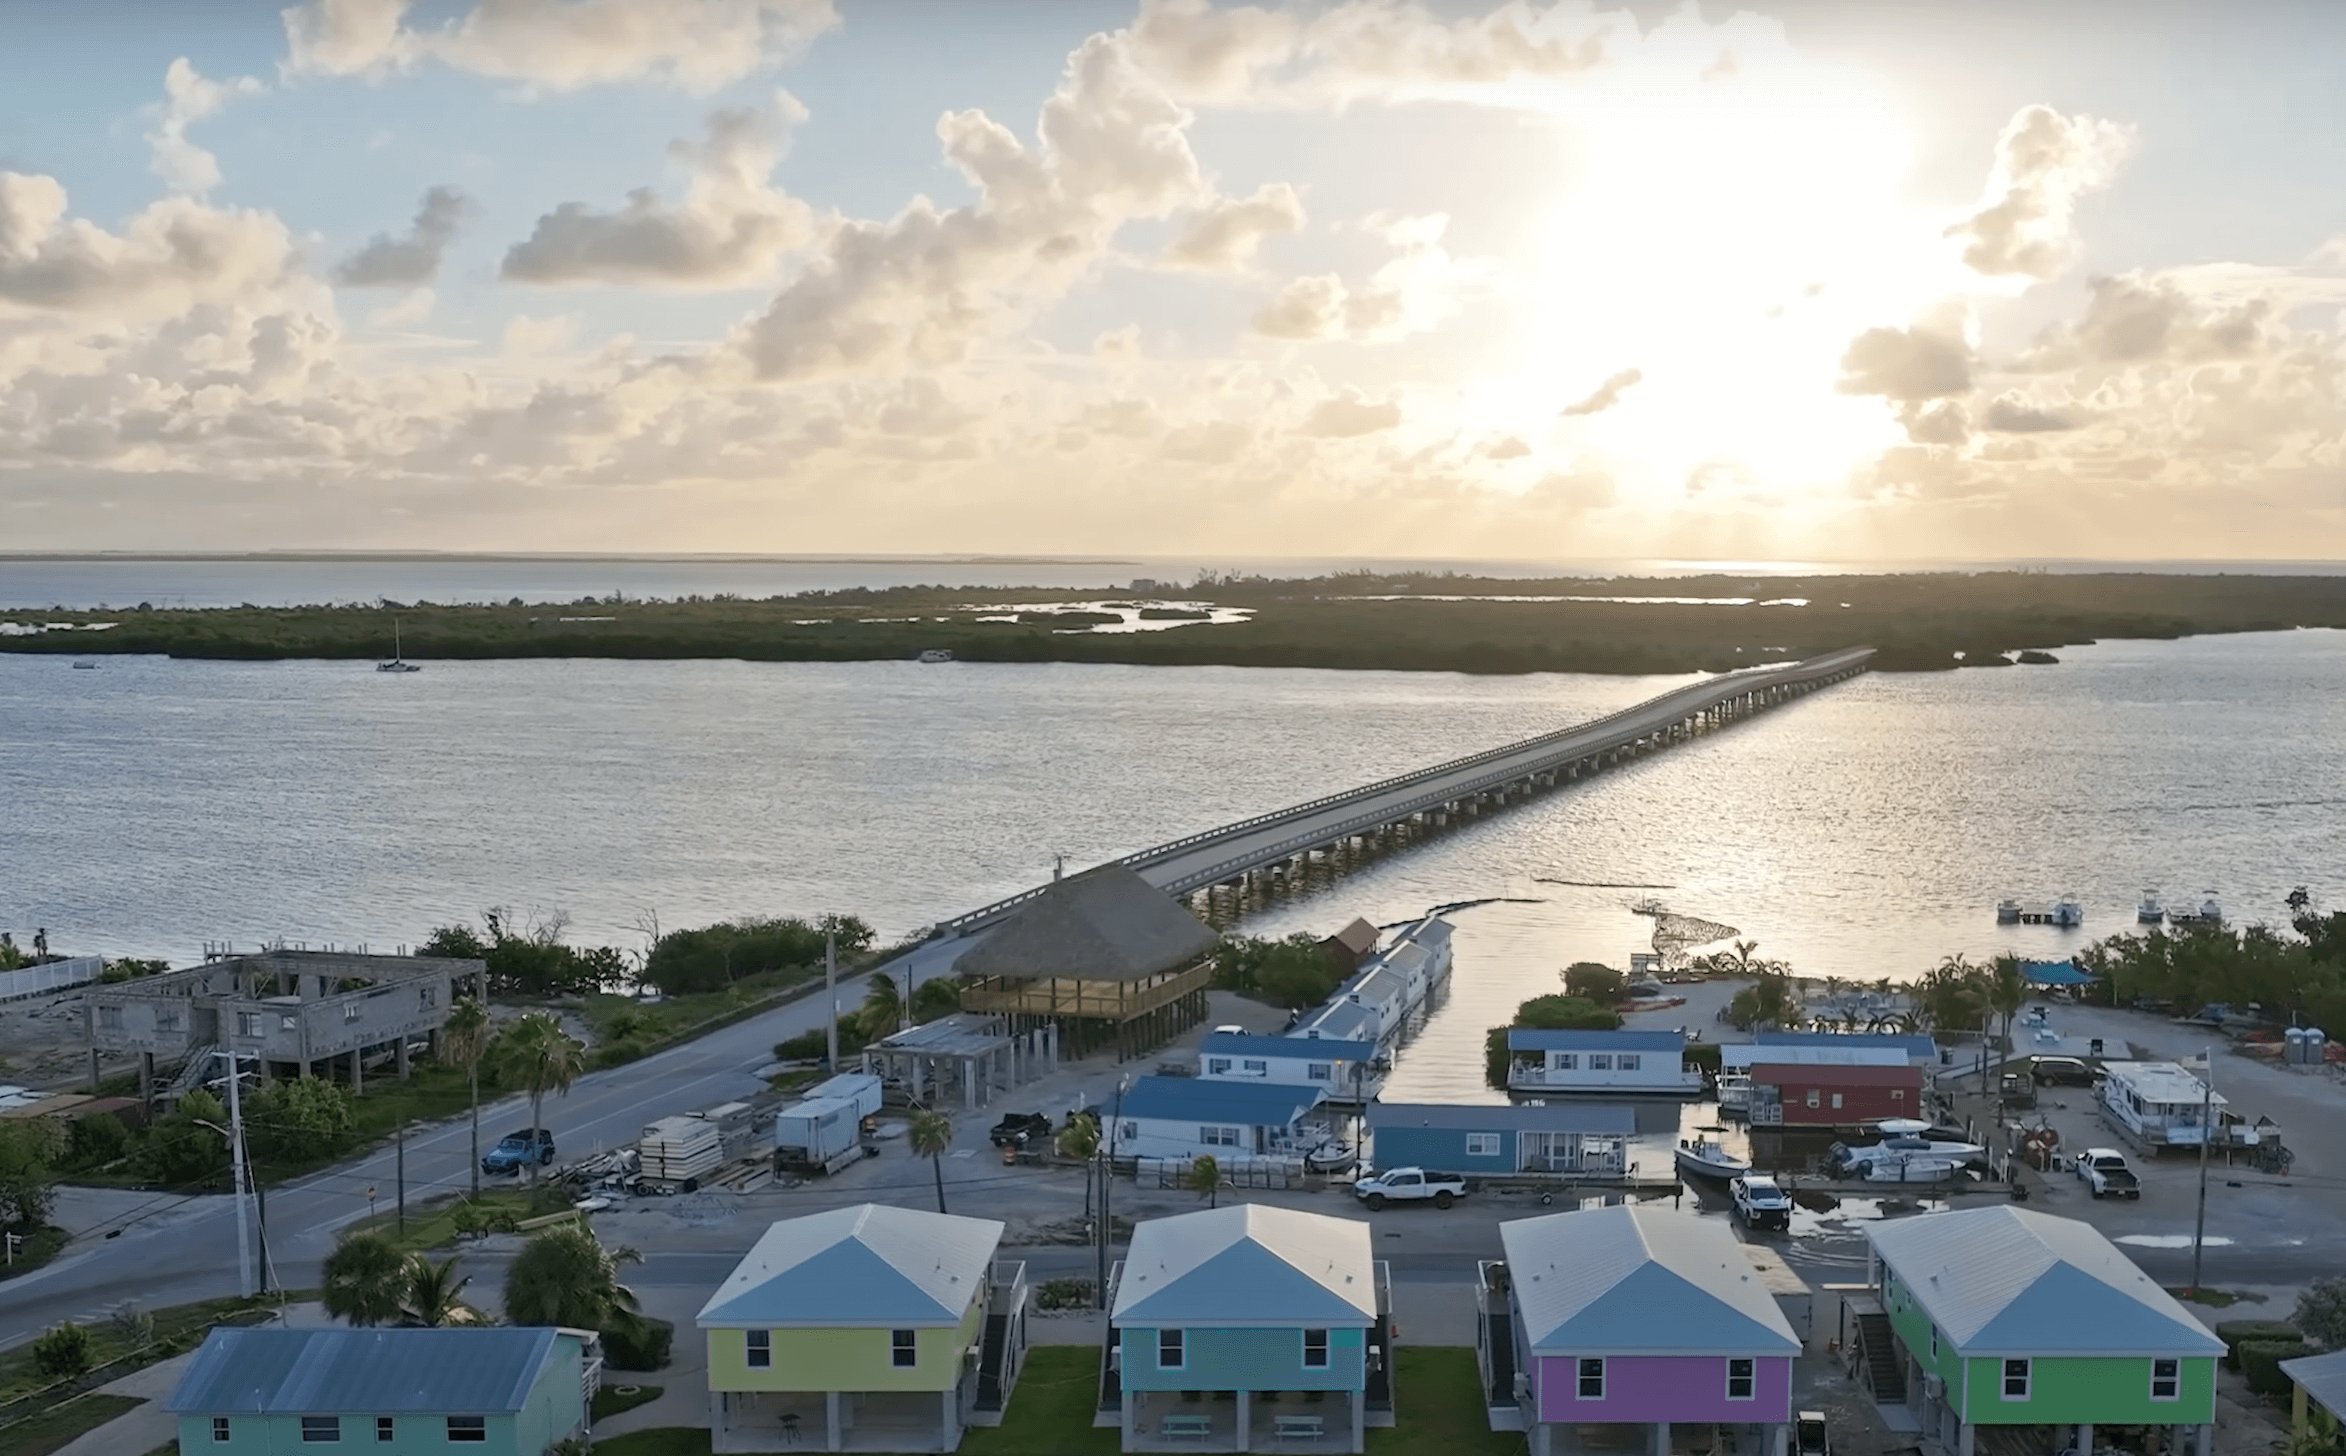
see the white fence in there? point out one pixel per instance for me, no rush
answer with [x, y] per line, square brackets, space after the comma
[55, 976]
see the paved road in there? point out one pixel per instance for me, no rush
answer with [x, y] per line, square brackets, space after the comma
[185, 1249]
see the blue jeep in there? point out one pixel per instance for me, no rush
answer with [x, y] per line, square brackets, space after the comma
[533, 1144]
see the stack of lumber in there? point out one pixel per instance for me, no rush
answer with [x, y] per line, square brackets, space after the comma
[679, 1148]
[737, 1132]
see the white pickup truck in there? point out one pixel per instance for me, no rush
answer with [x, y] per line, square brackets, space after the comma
[1409, 1185]
[2104, 1171]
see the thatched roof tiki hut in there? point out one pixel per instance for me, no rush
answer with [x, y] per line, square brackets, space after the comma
[1108, 957]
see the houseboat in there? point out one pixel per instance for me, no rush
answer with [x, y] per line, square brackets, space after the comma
[1736, 1060]
[1374, 1004]
[1347, 1071]
[1189, 1117]
[1793, 1095]
[1531, 1139]
[2158, 1104]
[1619, 1063]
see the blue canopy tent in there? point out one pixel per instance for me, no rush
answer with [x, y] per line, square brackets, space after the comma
[2053, 973]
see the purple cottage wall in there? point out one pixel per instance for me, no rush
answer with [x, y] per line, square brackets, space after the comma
[1665, 1388]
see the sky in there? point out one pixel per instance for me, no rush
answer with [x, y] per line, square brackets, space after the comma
[1895, 280]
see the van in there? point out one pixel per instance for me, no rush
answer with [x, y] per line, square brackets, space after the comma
[2061, 1072]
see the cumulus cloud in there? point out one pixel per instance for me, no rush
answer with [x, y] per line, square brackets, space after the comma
[189, 97]
[2044, 162]
[560, 45]
[732, 227]
[1606, 395]
[1223, 237]
[175, 253]
[1907, 365]
[1385, 49]
[1416, 291]
[2012, 414]
[1350, 413]
[1216, 442]
[406, 262]
[922, 288]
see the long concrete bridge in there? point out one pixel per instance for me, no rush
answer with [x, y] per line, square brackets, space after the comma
[1286, 840]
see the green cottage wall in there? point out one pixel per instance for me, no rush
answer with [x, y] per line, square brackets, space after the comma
[834, 1359]
[2112, 1390]
[1269, 1359]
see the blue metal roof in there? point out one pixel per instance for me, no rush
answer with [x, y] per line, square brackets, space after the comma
[1247, 1266]
[1639, 1281]
[366, 1372]
[1519, 1040]
[1314, 1049]
[1250, 1104]
[1917, 1047]
[2053, 973]
[1555, 1117]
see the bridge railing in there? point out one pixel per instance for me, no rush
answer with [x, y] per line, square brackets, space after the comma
[1692, 698]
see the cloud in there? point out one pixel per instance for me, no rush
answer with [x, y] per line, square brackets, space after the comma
[1607, 394]
[2011, 414]
[1350, 414]
[732, 227]
[1215, 443]
[1506, 447]
[923, 287]
[560, 45]
[2044, 162]
[1416, 291]
[389, 262]
[1381, 49]
[175, 253]
[1906, 365]
[1222, 239]
[188, 97]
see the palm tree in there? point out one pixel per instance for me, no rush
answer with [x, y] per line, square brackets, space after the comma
[1081, 1139]
[2006, 991]
[883, 1006]
[1205, 1176]
[464, 1039]
[435, 1292]
[932, 1138]
[539, 1056]
[365, 1280]
[566, 1277]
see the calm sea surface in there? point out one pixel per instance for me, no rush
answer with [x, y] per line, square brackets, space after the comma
[153, 805]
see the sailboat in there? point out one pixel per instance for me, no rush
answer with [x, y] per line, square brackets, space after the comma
[397, 663]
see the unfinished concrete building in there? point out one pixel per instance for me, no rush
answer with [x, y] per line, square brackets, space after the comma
[297, 1013]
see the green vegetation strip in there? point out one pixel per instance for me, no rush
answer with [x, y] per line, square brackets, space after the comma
[38, 1248]
[609, 1401]
[664, 1441]
[173, 1329]
[60, 1424]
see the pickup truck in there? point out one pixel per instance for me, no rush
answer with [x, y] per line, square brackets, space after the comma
[1759, 1203]
[1021, 1128]
[530, 1145]
[1409, 1185]
[2105, 1172]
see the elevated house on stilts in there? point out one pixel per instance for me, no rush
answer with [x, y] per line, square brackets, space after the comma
[1108, 958]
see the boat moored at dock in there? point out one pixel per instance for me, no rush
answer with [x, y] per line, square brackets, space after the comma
[1705, 1158]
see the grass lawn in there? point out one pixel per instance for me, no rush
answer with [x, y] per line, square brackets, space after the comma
[175, 1326]
[609, 1402]
[433, 1225]
[40, 1434]
[1439, 1399]
[1051, 1410]
[665, 1441]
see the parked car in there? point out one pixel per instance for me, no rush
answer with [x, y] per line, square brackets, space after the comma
[1020, 1128]
[2061, 1072]
[2105, 1173]
[1759, 1203]
[1410, 1185]
[530, 1145]
[1810, 1436]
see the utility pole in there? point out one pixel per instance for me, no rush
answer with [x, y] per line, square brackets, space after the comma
[831, 993]
[2207, 1107]
[1107, 1183]
[244, 1246]
[402, 1156]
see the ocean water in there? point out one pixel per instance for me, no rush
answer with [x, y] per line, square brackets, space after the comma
[151, 806]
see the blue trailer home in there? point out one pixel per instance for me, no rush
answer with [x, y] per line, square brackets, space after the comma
[1248, 1328]
[1919, 1051]
[1342, 1069]
[1188, 1117]
[1577, 1138]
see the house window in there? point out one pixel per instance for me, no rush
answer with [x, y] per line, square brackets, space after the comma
[1567, 1061]
[1836, 1100]
[1320, 1072]
[384, 1428]
[285, 1022]
[166, 1018]
[472, 1430]
[321, 1430]
[220, 1428]
[110, 1017]
[1897, 1094]
[1170, 1355]
[352, 1011]
[1129, 1130]
[1628, 1061]
[2166, 1380]
[2015, 1380]
[1741, 1379]
[427, 997]
[1812, 1098]
[248, 1024]
[761, 1349]
[1216, 1066]
[1482, 1145]
[1218, 1137]
[1315, 1349]
[1934, 1344]
[1258, 1066]
[1592, 1379]
[1600, 1061]
[903, 1353]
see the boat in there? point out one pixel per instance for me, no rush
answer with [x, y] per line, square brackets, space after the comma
[2150, 911]
[1906, 1154]
[398, 662]
[936, 654]
[2007, 912]
[1332, 1156]
[1704, 1158]
[2210, 913]
[2067, 911]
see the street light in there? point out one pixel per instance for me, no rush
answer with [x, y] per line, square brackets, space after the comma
[1107, 1182]
[244, 1253]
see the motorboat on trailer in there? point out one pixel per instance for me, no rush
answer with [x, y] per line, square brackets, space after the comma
[1907, 1153]
[1705, 1158]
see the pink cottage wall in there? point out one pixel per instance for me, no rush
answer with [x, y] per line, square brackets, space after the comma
[1665, 1388]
